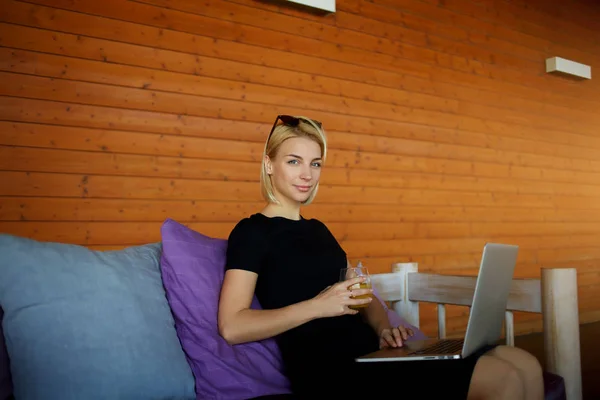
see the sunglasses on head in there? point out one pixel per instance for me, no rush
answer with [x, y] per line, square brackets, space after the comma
[290, 120]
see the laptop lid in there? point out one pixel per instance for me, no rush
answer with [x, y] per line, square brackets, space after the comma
[491, 296]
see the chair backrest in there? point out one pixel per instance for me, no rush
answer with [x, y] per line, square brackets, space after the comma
[554, 296]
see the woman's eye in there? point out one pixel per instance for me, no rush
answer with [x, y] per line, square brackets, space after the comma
[316, 164]
[293, 162]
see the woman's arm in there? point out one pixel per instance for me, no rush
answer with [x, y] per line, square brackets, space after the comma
[376, 316]
[238, 323]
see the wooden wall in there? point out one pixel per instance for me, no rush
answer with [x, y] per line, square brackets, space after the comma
[445, 132]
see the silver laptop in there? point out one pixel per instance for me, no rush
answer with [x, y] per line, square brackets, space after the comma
[485, 318]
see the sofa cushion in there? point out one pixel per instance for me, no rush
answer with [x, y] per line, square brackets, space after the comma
[5, 379]
[82, 324]
[193, 267]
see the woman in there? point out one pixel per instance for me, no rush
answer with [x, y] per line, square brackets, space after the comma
[293, 264]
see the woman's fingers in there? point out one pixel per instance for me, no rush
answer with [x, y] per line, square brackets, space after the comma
[351, 282]
[388, 339]
[397, 336]
[403, 332]
[348, 310]
[360, 292]
[358, 302]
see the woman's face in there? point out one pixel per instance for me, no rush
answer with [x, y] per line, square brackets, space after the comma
[295, 170]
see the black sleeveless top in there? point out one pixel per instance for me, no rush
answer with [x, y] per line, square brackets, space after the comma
[295, 261]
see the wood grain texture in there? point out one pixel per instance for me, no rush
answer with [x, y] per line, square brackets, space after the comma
[444, 130]
[525, 294]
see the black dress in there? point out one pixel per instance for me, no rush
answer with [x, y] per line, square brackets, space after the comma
[295, 261]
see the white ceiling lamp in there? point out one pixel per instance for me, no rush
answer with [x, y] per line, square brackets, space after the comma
[567, 67]
[327, 5]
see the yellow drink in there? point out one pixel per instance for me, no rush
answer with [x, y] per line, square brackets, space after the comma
[364, 285]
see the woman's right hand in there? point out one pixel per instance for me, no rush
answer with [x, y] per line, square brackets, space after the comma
[334, 300]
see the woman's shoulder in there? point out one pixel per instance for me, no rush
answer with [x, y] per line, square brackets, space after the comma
[250, 225]
[318, 224]
[247, 244]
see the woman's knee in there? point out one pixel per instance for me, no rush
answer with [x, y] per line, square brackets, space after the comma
[521, 359]
[495, 378]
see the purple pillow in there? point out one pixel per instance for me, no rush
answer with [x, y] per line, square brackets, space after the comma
[6, 388]
[193, 266]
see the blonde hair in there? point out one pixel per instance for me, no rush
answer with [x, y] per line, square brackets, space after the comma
[307, 128]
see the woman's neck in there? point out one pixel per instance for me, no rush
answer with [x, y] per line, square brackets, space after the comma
[276, 210]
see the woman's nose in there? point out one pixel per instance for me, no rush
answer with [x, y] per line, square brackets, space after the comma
[306, 174]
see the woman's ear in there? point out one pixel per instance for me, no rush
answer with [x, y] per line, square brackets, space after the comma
[268, 165]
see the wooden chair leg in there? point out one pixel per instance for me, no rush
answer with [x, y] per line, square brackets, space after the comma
[561, 327]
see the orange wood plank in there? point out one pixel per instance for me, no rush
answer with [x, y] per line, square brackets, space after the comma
[120, 210]
[533, 21]
[359, 249]
[125, 142]
[101, 186]
[114, 74]
[389, 11]
[140, 232]
[103, 232]
[517, 25]
[271, 18]
[77, 69]
[80, 23]
[78, 115]
[227, 49]
[369, 157]
[105, 163]
[86, 209]
[415, 100]
[427, 133]
[22, 37]
[180, 104]
[583, 13]
[217, 167]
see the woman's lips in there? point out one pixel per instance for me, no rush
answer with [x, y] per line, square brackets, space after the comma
[303, 188]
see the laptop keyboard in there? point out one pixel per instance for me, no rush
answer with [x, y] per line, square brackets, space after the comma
[444, 346]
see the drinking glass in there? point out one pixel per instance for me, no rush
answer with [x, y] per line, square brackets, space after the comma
[354, 272]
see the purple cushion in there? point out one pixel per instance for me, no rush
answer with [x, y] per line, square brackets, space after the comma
[6, 388]
[193, 268]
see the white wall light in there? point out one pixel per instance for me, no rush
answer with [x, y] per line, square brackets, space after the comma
[563, 66]
[327, 5]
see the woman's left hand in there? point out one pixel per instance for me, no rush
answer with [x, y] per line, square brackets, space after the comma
[394, 337]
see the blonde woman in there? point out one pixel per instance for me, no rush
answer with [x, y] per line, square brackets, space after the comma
[293, 265]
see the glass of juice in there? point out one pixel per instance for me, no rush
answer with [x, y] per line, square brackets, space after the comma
[354, 272]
